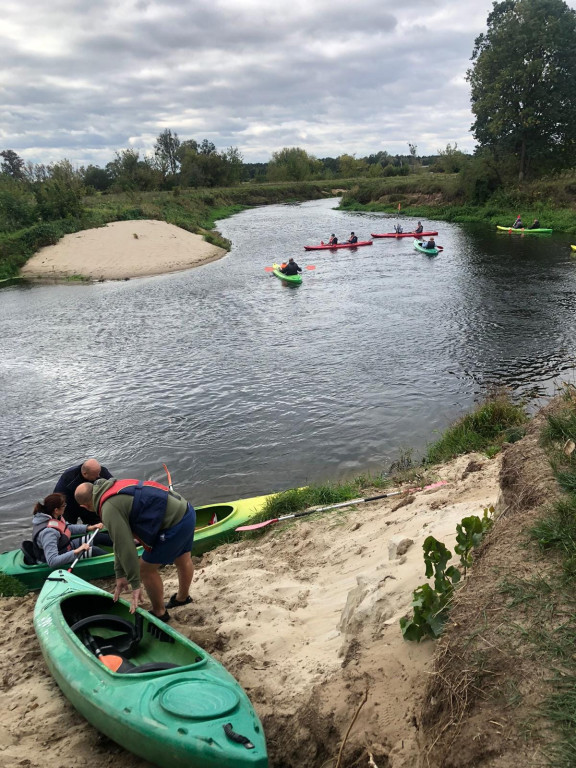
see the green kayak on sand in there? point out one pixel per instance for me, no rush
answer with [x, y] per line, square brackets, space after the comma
[524, 231]
[215, 524]
[168, 701]
[427, 251]
[291, 279]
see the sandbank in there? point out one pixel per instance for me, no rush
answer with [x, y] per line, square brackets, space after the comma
[121, 250]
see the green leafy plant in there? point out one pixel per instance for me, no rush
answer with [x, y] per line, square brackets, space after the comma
[469, 534]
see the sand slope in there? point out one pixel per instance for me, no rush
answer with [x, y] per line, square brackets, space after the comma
[305, 617]
[122, 250]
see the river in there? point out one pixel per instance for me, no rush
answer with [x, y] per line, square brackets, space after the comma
[243, 385]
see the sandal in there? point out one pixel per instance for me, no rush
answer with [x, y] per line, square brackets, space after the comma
[175, 603]
[165, 616]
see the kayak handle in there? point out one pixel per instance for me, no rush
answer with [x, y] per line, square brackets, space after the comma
[237, 737]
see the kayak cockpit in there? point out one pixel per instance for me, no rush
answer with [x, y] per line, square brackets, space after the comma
[212, 514]
[127, 643]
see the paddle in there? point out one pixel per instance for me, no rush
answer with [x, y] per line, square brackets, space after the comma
[334, 506]
[90, 540]
[169, 477]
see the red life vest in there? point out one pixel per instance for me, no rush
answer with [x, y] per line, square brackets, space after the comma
[63, 541]
[149, 500]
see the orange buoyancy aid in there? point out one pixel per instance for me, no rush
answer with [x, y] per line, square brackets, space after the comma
[149, 500]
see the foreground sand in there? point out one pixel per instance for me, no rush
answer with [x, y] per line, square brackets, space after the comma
[305, 617]
[121, 250]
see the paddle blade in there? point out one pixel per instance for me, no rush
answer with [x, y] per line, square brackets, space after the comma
[269, 269]
[256, 525]
[310, 266]
[113, 663]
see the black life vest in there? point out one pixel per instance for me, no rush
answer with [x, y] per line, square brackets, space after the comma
[148, 507]
[63, 540]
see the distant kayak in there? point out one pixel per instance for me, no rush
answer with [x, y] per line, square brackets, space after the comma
[405, 234]
[339, 245]
[573, 247]
[427, 251]
[524, 231]
[293, 279]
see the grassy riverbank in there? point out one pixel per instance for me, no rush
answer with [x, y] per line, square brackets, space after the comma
[444, 197]
[193, 210]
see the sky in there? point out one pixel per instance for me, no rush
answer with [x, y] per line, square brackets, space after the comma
[81, 80]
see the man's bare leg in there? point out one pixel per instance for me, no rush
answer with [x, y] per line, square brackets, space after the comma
[154, 587]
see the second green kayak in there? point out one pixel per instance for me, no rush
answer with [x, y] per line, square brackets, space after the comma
[215, 524]
[141, 683]
[427, 251]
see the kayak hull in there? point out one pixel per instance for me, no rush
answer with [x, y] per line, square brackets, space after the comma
[173, 718]
[405, 234]
[207, 536]
[334, 247]
[524, 231]
[289, 279]
[427, 251]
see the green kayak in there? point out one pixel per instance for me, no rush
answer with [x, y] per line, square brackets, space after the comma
[524, 231]
[427, 251]
[291, 279]
[168, 701]
[207, 536]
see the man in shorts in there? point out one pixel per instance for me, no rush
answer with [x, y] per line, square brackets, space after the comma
[161, 520]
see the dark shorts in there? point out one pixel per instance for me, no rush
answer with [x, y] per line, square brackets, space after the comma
[174, 541]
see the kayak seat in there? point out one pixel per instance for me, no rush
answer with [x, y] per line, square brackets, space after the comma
[28, 555]
[124, 644]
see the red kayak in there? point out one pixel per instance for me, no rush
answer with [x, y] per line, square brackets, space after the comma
[340, 245]
[404, 234]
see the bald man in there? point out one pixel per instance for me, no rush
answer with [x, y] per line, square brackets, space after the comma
[87, 472]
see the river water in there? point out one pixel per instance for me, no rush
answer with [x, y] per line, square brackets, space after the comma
[243, 385]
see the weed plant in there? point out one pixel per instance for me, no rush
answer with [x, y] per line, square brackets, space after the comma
[485, 429]
[11, 587]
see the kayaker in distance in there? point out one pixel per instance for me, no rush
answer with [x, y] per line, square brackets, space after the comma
[162, 520]
[535, 224]
[352, 238]
[291, 268]
[430, 244]
[52, 536]
[419, 228]
[398, 229]
[89, 471]
[333, 240]
[518, 223]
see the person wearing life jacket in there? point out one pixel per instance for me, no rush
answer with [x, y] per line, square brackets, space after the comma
[333, 240]
[518, 223]
[419, 229]
[161, 520]
[430, 244]
[535, 224]
[353, 238]
[52, 536]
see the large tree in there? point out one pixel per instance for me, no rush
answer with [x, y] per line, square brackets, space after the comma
[523, 82]
[166, 150]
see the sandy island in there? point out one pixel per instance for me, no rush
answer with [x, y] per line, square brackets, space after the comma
[121, 250]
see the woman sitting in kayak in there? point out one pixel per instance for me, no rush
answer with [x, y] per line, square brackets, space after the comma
[535, 224]
[518, 223]
[51, 534]
[352, 238]
[291, 268]
[333, 240]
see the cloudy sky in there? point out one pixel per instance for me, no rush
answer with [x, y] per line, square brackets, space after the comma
[83, 79]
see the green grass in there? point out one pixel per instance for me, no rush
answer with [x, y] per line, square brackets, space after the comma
[11, 587]
[483, 430]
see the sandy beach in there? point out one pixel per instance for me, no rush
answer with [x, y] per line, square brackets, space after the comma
[305, 617]
[121, 250]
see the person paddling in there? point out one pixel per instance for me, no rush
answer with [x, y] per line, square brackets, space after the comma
[518, 223]
[291, 268]
[430, 244]
[419, 229]
[352, 239]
